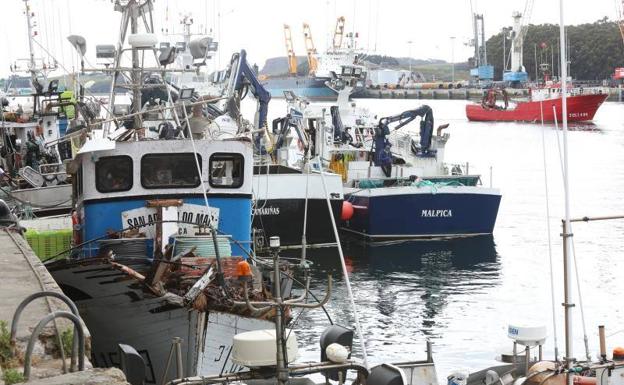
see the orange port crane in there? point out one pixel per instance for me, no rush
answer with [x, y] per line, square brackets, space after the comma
[338, 33]
[311, 50]
[292, 59]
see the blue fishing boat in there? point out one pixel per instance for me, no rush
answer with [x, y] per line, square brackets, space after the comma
[424, 210]
[162, 213]
[396, 183]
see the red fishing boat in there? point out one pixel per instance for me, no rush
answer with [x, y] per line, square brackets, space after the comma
[546, 102]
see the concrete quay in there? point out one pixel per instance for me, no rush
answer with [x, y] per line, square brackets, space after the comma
[21, 275]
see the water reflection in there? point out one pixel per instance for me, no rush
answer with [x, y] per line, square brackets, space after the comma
[402, 289]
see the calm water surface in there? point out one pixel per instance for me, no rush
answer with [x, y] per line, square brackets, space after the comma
[462, 294]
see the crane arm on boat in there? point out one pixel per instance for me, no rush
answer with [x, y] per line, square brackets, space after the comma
[381, 143]
[244, 76]
[281, 128]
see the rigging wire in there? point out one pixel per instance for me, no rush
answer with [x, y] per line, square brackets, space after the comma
[344, 267]
[578, 283]
[578, 289]
[550, 255]
[305, 207]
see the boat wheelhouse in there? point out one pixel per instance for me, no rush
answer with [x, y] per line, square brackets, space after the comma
[113, 188]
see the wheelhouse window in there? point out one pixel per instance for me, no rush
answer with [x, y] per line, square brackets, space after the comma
[226, 170]
[170, 170]
[113, 174]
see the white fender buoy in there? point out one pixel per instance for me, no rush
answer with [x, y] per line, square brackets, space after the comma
[337, 353]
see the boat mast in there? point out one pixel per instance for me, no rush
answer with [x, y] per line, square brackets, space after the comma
[32, 64]
[567, 236]
[136, 73]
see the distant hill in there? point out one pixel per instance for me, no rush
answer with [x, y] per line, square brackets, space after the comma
[595, 49]
[390, 61]
[279, 65]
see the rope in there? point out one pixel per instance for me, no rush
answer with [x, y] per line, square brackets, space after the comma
[344, 268]
[550, 256]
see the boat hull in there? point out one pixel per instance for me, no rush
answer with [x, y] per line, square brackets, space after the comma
[425, 212]
[50, 200]
[117, 310]
[580, 108]
[280, 206]
[285, 217]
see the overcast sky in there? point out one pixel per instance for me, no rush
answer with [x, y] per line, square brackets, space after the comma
[384, 26]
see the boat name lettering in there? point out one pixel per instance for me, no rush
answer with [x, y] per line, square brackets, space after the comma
[142, 220]
[267, 211]
[189, 216]
[578, 114]
[512, 331]
[202, 219]
[436, 213]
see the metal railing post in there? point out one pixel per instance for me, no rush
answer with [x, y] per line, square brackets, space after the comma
[32, 297]
[44, 321]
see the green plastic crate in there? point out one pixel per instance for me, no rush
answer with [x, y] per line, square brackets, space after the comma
[49, 243]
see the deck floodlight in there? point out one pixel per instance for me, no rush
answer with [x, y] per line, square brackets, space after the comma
[167, 56]
[79, 43]
[186, 93]
[105, 54]
[199, 50]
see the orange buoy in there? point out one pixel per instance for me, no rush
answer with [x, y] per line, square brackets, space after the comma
[618, 353]
[347, 211]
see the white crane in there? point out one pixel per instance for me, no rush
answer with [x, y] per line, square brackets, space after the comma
[517, 71]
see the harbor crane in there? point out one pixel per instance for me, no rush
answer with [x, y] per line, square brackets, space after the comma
[338, 33]
[517, 73]
[311, 50]
[481, 71]
[292, 59]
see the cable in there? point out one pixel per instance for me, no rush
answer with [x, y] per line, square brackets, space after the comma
[550, 258]
[344, 267]
[578, 288]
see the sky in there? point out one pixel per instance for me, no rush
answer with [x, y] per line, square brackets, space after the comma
[384, 26]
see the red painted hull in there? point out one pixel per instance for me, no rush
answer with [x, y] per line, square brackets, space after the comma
[580, 108]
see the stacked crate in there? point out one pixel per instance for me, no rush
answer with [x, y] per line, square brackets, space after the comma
[49, 243]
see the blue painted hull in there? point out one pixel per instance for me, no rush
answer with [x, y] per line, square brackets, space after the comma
[422, 215]
[234, 218]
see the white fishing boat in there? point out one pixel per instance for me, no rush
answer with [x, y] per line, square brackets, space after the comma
[162, 214]
[396, 183]
[35, 114]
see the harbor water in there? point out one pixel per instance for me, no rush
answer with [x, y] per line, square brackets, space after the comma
[462, 294]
